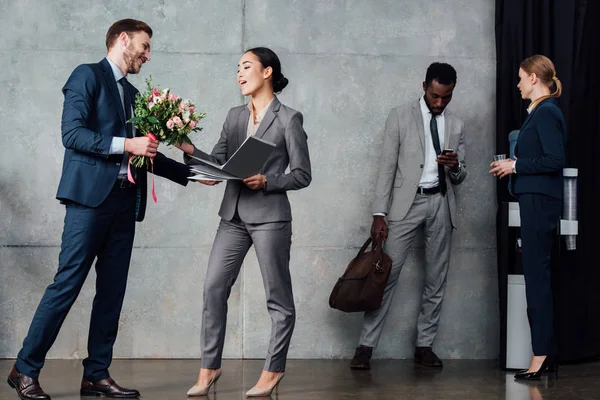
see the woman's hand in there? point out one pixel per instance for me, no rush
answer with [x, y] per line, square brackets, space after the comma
[209, 183]
[256, 182]
[502, 168]
[185, 147]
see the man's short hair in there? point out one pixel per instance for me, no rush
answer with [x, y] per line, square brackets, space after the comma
[441, 72]
[125, 25]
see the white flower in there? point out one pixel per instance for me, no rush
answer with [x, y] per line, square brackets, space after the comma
[186, 115]
[150, 105]
[165, 91]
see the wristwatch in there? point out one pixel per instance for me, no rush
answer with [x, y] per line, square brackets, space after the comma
[458, 169]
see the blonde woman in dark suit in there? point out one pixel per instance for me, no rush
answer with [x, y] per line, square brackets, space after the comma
[537, 183]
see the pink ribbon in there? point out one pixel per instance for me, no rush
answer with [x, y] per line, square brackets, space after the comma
[130, 176]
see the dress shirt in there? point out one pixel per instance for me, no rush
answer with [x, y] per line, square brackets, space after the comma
[429, 176]
[117, 146]
[252, 127]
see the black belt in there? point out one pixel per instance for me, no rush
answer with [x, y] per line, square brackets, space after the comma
[123, 183]
[432, 190]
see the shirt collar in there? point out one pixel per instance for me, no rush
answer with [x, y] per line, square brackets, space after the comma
[425, 110]
[116, 71]
[261, 114]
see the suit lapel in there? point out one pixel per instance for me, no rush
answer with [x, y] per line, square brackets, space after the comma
[266, 123]
[242, 126]
[528, 119]
[447, 131]
[418, 117]
[269, 118]
[112, 86]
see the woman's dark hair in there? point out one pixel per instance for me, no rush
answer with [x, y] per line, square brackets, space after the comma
[441, 72]
[268, 58]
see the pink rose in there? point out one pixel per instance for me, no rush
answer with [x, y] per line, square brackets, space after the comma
[178, 121]
[170, 124]
[193, 124]
[192, 109]
[155, 92]
[172, 97]
[182, 106]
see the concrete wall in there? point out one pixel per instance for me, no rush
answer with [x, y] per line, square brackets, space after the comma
[348, 62]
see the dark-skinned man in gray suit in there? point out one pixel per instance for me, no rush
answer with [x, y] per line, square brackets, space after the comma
[422, 159]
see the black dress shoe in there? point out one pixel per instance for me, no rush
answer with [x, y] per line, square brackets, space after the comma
[107, 388]
[549, 365]
[425, 356]
[27, 388]
[362, 358]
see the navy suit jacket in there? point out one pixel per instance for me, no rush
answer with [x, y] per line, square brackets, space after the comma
[92, 116]
[540, 151]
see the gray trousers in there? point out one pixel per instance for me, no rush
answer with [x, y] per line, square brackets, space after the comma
[272, 242]
[431, 212]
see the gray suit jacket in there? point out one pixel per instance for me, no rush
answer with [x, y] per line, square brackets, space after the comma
[282, 126]
[403, 157]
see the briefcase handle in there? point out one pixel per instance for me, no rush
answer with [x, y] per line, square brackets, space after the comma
[377, 246]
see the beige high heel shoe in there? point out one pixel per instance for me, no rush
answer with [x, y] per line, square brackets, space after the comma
[203, 390]
[258, 392]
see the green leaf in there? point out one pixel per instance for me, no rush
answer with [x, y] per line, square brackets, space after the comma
[152, 119]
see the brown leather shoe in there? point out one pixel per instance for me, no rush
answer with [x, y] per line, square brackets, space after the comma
[27, 388]
[425, 356]
[107, 388]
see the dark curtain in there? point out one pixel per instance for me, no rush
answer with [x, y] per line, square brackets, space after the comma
[564, 31]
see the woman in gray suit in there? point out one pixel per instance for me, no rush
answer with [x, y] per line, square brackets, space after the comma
[254, 211]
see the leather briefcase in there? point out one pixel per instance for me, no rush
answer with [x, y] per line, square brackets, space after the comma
[362, 285]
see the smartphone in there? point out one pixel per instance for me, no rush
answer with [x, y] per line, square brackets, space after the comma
[446, 151]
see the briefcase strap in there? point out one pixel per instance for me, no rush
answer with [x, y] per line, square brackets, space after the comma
[377, 247]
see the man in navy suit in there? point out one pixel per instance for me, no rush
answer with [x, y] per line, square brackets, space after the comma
[102, 206]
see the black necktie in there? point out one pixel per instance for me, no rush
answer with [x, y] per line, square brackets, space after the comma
[127, 103]
[436, 145]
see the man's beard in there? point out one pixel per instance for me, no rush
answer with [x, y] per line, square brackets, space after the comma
[434, 111]
[131, 58]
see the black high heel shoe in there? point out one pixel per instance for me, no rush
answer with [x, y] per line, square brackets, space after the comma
[548, 365]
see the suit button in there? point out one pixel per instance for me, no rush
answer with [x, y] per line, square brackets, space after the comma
[421, 165]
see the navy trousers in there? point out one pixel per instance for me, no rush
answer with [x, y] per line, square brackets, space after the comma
[106, 233]
[539, 218]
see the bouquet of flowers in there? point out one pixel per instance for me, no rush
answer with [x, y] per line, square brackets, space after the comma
[163, 116]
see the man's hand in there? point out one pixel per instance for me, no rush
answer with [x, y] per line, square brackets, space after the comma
[502, 168]
[449, 160]
[378, 228]
[141, 146]
[256, 182]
